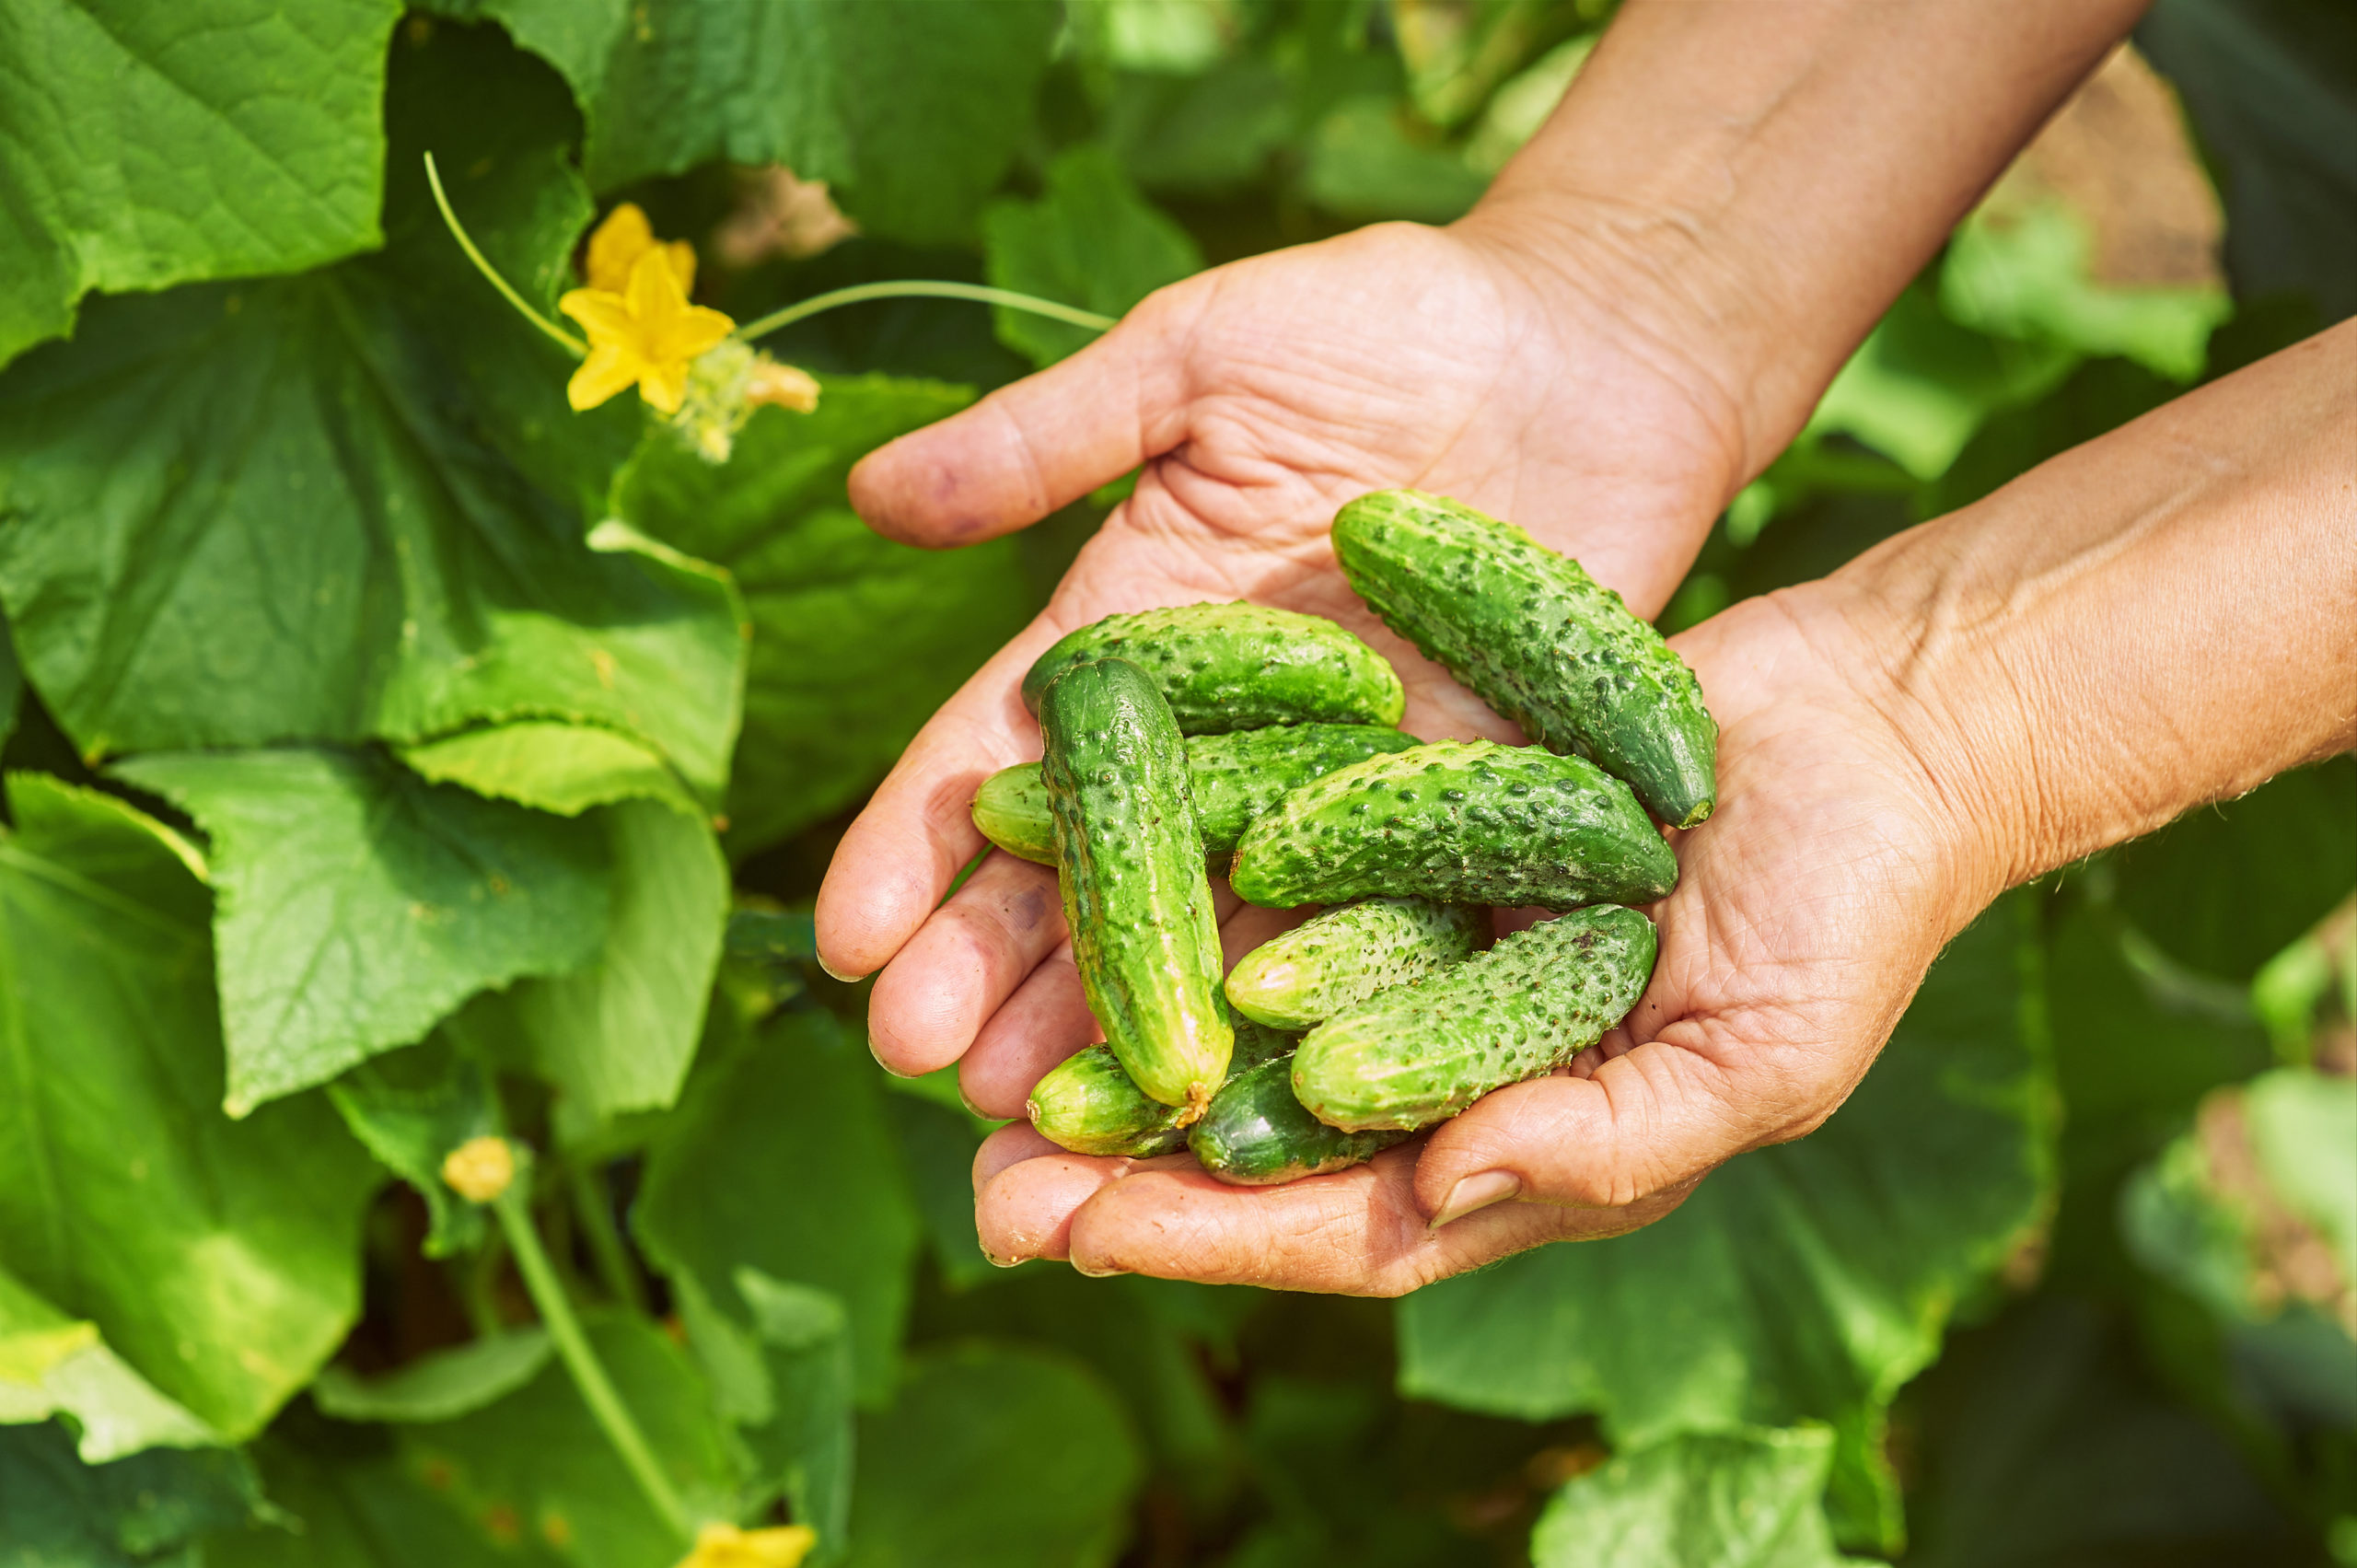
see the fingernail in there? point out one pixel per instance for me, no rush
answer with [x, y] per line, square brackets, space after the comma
[999, 1263]
[1081, 1267]
[887, 1065]
[846, 978]
[1476, 1192]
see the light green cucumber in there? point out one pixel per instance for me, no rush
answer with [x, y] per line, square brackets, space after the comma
[1538, 639]
[1130, 863]
[1235, 777]
[1340, 958]
[1257, 1134]
[1088, 1104]
[1411, 1055]
[1458, 821]
[1239, 666]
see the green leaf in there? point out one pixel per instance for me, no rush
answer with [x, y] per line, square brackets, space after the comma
[219, 1258]
[2304, 1128]
[411, 1109]
[914, 124]
[1722, 1500]
[440, 1386]
[56, 1512]
[359, 904]
[780, 1160]
[12, 683]
[994, 1458]
[1206, 134]
[51, 1365]
[327, 509]
[2271, 88]
[802, 1437]
[856, 640]
[2225, 887]
[1365, 163]
[937, 1145]
[141, 149]
[1806, 1282]
[1091, 241]
[2094, 397]
[564, 768]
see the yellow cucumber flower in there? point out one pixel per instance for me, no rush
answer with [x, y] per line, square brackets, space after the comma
[726, 1546]
[647, 336]
[618, 243]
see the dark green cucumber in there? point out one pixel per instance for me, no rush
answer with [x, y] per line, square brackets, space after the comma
[1538, 639]
[1340, 958]
[1257, 1134]
[1411, 1055]
[1088, 1104]
[1462, 822]
[1239, 666]
[1235, 777]
[1130, 861]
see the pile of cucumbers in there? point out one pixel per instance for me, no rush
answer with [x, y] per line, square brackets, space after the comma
[1265, 743]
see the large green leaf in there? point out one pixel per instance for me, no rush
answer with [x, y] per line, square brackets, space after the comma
[914, 113]
[359, 904]
[343, 506]
[1090, 240]
[1719, 1500]
[441, 1384]
[409, 1110]
[142, 146]
[856, 640]
[219, 1258]
[51, 1365]
[1807, 1281]
[994, 1458]
[2272, 87]
[780, 1160]
[56, 1512]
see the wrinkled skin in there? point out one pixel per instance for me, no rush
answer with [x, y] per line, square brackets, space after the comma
[1260, 400]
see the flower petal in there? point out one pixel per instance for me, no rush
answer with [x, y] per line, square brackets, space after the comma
[616, 245]
[605, 315]
[609, 368]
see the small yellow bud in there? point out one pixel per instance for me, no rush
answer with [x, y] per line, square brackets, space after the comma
[480, 1169]
[783, 384]
[726, 1546]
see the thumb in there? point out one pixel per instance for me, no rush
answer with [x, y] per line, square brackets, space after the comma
[1040, 444]
[1645, 1124]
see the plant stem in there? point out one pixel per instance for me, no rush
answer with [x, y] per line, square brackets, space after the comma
[573, 1347]
[921, 289]
[477, 1280]
[595, 1214]
[482, 264]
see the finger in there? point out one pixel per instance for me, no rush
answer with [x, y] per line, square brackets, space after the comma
[917, 831]
[1045, 1021]
[1035, 445]
[1642, 1123]
[1356, 1231]
[1008, 1145]
[1024, 1210]
[966, 958]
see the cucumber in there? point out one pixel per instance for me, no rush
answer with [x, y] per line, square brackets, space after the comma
[1537, 639]
[1257, 1134]
[1346, 955]
[1088, 1104]
[1130, 861]
[1411, 1055]
[1462, 822]
[1239, 666]
[1235, 778]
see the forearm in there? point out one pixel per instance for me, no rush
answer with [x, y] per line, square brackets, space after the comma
[2162, 618]
[1764, 176]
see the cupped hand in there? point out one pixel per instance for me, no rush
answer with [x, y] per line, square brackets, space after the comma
[1257, 397]
[1807, 910]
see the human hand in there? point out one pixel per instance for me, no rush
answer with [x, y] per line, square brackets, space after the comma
[1259, 396]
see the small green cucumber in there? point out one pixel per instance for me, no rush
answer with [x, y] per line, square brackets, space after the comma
[1338, 960]
[1409, 1056]
[1538, 639]
[1239, 666]
[1235, 778]
[1462, 822]
[1130, 861]
[1257, 1134]
[1088, 1104]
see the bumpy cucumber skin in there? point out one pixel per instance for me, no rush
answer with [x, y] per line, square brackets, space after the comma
[1462, 822]
[1257, 1134]
[1088, 1104]
[1409, 1056]
[1236, 777]
[1340, 958]
[1239, 666]
[1538, 639]
[1130, 863]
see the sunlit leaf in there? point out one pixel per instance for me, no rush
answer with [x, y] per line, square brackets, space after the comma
[1090, 240]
